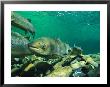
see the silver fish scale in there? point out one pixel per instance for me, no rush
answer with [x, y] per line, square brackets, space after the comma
[19, 45]
[18, 40]
[22, 22]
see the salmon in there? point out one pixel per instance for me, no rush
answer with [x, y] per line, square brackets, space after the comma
[22, 23]
[19, 45]
[49, 46]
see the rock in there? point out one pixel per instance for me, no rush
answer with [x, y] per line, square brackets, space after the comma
[94, 72]
[78, 73]
[61, 72]
[90, 60]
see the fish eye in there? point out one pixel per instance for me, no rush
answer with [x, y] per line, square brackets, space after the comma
[69, 50]
[39, 43]
[43, 47]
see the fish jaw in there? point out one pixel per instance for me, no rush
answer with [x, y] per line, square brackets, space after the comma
[35, 49]
[38, 51]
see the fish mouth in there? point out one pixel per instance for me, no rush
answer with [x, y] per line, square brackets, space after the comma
[31, 47]
[34, 48]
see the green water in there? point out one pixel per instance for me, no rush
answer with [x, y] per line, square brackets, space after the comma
[81, 28]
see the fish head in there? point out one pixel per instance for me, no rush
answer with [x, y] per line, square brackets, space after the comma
[40, 46]
[77, 50]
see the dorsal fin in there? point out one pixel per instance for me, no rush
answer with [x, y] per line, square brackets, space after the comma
[58, 39]
[29, 20]
[74, 45]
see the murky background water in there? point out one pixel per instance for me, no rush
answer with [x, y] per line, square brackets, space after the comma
[81, 28]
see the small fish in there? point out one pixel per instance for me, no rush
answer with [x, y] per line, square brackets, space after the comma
[19, 45]
[22, 23]
[48, 46]
[76, 50]
[78, 73]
